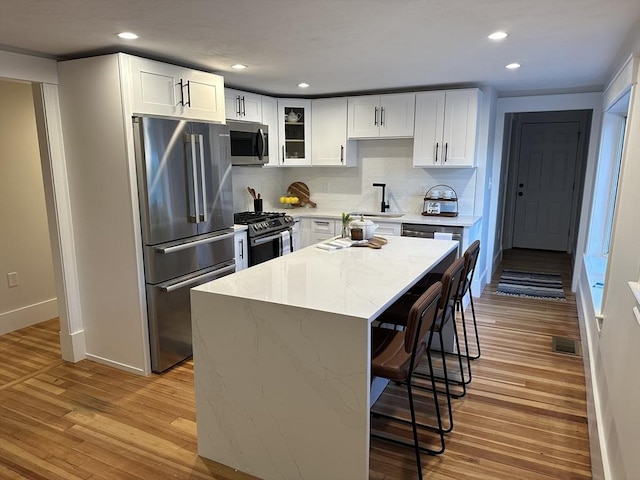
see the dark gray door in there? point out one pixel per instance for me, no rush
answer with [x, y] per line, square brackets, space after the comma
[545, 182]
[165, 179]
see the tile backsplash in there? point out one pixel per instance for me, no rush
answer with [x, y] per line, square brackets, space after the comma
[347, 189]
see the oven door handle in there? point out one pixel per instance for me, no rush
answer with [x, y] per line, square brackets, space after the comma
[262, 240]
[184, 246]
[185, 283]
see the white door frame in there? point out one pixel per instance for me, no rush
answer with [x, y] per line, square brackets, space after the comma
[541, 103]
[43, 75]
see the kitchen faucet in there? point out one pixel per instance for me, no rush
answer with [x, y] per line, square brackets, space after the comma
[383, 205]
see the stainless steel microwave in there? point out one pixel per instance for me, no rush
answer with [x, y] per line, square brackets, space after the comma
[249, 143]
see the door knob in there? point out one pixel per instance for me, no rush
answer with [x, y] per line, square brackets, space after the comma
[519, 194]
[521, 185]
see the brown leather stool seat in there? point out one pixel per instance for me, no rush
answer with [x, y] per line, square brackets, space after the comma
[396, 354]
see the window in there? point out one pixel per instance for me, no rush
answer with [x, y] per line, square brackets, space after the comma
[604, 196]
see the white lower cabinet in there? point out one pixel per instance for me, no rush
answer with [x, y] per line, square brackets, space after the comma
[316, 230]
[241, 250]
[388, 228]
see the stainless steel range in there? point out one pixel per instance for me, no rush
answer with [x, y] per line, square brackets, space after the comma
[269, 234]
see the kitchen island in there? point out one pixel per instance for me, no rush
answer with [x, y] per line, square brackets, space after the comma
[282, 357]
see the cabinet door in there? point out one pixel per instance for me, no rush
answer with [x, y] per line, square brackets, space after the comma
[204, 96]
[363, 116]
[156, 89]
[329, 134]
[396, 115]
[429, 122]
[242, 105]
[388, 228]
[294, 132]
[460, 127]
[242, 260]
[270, 119]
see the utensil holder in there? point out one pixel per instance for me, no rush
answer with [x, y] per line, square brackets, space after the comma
[257, 205]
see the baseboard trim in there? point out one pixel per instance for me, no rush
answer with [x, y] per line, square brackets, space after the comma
[28, 315]
[118, 365]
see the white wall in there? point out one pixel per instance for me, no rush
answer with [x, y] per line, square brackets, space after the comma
[613, 363]
[24, 237]
[346, 189]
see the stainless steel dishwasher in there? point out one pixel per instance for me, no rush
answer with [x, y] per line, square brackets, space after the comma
[428, 231]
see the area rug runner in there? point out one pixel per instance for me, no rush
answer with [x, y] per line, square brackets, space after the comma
[531, 285]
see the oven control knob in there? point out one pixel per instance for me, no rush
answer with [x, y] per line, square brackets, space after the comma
[288, 219]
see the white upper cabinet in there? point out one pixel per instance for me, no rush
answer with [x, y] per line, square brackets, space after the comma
[294, 132]
[270, 119]
[329, 134]
[243, 106]
[381, 116]
[446, 128]
[172, 91]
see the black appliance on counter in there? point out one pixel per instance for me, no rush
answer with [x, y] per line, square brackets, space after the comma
[269, 234]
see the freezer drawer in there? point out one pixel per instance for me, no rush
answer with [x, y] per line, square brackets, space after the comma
[169, 312]
[173, 259]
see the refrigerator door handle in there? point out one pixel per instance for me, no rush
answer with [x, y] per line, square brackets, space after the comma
[197, 243]
[194, 166]
[203, 179]
[185, 283]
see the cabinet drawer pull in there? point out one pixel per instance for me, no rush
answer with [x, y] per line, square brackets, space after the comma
[437, 147]
[446, 148]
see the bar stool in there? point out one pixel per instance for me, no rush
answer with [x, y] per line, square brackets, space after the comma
[396, 354]
[470, 260]
[396, 315]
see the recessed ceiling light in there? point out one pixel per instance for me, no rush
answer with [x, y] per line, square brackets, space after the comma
[498, 35]
[513, 66]
[128, 35]
[303, 85]
[239, 66]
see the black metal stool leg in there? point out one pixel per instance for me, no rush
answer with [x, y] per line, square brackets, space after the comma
[475, 326]
[415, 429]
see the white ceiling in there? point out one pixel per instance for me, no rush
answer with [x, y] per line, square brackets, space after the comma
[342, 46]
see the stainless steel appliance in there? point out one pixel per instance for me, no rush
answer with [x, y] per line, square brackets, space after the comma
[429, 231]
[186, 212]
[269, 234]
[249, 143]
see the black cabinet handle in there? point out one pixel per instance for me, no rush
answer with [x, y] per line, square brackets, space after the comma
[375, 116]
[341, 153]
[446, 149]
[437, 148]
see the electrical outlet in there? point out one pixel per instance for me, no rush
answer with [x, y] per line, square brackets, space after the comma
[12, 279]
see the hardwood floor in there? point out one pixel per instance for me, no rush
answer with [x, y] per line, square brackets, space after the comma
[524, 416]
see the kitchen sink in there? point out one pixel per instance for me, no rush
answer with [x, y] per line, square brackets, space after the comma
[377, 214]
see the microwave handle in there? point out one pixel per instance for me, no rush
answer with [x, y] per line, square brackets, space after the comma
[261, 142]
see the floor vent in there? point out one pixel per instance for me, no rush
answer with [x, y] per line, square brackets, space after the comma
[565, 345]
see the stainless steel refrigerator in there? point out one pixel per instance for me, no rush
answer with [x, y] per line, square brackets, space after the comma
[186, 212]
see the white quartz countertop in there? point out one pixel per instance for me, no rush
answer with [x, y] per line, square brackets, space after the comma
[357, 281]
[459, 221]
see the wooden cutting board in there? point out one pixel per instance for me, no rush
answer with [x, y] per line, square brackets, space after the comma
[374, 242]
[300, 190]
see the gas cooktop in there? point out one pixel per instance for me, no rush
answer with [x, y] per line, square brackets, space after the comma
[264, 222]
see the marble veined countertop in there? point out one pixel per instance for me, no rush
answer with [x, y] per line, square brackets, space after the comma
[356, 281]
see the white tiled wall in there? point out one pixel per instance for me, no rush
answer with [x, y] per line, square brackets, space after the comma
[348, 189]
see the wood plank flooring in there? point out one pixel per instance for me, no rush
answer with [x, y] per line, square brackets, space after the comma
[524, 416]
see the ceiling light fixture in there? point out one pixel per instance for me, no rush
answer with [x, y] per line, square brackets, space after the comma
[498, 35]
[303, 85]
[128, 35]
[239, 66]
[513, 66]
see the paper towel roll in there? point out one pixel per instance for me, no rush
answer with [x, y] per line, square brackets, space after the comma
[443, 236]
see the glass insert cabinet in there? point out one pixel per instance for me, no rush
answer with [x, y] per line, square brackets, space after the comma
[294, 132]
